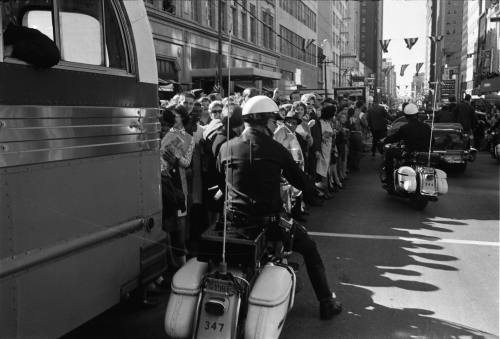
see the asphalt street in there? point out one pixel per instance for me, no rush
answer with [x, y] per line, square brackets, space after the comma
[400, 273]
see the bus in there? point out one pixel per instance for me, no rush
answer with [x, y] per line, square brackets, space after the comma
[80, 202]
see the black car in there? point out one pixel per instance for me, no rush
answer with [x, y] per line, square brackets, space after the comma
[450, 141]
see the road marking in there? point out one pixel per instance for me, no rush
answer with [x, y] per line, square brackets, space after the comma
[394, 237]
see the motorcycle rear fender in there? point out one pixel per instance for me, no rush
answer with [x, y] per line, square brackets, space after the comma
[441, 182]
[183, 301]
[269, 302]
[405, 179]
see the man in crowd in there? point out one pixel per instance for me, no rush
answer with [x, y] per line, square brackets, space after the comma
[466, 115]
[186, 99]
[448, 113]
[377, 118]
[255, 163]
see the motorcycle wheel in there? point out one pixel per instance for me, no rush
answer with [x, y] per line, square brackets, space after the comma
[419, 202]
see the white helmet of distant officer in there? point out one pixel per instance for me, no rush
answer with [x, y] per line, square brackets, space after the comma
[411, 110]
[261, 112]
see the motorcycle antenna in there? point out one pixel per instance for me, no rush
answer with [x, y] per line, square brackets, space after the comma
[436, 84]
[223, 264]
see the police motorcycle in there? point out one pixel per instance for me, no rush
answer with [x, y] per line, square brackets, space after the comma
[240, 285]
[415, 176]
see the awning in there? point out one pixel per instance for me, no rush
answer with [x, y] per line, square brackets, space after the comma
[237, 73]
[490, 85]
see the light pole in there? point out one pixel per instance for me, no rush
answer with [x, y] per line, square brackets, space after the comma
[324, 62]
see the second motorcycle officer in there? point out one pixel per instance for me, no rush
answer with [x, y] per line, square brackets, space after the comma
[255, 164]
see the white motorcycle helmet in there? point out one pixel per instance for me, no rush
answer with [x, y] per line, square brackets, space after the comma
[259, 104]
[410, 109]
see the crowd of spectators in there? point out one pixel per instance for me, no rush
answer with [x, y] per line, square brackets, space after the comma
[324, 137]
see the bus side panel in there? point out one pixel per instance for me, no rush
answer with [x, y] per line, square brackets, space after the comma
[68, 292]
[59, 202]
[54, 202]
[8, 309]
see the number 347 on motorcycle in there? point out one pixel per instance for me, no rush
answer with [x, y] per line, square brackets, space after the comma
[213, 326]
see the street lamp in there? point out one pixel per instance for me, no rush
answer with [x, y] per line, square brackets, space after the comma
[324, 62]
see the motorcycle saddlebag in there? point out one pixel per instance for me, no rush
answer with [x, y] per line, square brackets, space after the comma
[182, 304]
[269, 302]
[406, 180]
[441, 182]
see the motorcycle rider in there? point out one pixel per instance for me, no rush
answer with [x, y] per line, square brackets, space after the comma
[415, 135]
[255, 163]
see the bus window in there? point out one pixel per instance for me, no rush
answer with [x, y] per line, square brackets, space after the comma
[89, 30]
[81, 31]
[115, 47]
[40, 20]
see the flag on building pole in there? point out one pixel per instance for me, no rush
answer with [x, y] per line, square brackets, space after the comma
[410, 42]
[403, 69]
[436, 38]
[384, 44]
[418, 66]
[306, 43]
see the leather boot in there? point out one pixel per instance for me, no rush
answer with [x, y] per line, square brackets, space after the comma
[329, 307]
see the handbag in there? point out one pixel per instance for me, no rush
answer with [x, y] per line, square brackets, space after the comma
[172, 195]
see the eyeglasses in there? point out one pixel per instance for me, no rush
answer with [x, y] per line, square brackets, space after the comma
[217, 111]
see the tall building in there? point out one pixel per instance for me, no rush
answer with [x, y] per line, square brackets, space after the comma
[297, 24]
[451, 30]
[418, 88]
[186, 42]
[351, 56]
[470, 21]
[371, 20]
[388, 93]
[443, 60]
[341, 38]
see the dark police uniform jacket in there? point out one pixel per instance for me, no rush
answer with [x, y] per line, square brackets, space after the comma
[415, 135]
[256, 163]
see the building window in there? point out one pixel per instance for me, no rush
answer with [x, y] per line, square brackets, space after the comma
[253, 24]
[235, 20]
[267, 30]
[295, 46]
[168, 6]
[90, 32]
[244, 21]
[196, 11]
[224, 15]
[210, 10]
[287, 75]
[299, 10]
[166, 69]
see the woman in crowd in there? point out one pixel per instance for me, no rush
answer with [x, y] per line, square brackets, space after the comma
[322, 133]
[177, 149]
[355, 140]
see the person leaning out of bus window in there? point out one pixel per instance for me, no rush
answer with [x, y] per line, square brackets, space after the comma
[27, 44]
[177, 150]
